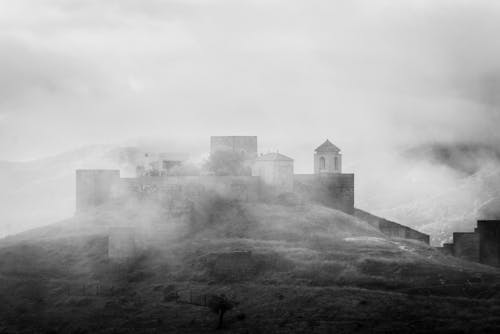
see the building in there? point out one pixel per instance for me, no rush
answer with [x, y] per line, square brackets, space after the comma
[327, 159]
[275, 170]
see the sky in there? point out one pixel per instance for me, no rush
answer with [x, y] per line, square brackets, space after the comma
[409, 90]
[366, 74]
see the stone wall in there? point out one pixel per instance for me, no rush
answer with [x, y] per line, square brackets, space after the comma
[246, 188]
[390, 228]
[331, 190]
[489, 242]
[466, 245]
[97, 187]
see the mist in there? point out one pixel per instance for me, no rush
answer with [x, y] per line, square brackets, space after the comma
[409, 91]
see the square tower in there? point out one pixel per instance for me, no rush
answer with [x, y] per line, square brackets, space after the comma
[327, 159]
[489, 242]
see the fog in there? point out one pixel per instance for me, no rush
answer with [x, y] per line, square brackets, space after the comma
[406, 89]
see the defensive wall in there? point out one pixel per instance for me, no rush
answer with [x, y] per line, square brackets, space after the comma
[96, 187]
[333, 190]
[466, 246]
[489, 242]
[482, 245]
[390, 228]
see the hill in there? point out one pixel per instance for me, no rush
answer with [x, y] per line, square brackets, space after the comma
[290, 268]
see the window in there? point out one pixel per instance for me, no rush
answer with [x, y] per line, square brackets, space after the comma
[336, 162]
[322, 163]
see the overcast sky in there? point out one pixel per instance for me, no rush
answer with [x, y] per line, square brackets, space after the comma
[368, 75]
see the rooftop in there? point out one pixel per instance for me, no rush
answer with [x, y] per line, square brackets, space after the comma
[327, 146]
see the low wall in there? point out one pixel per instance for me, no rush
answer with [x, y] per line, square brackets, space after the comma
[390, 228]
[332, 190]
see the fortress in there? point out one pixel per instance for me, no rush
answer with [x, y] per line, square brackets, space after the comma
[262, 177]
[269, 174]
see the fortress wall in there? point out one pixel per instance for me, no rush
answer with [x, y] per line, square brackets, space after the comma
[466, 245]
[332, 190]
[95, 187]
[446, 249]
[489, 242]
[390, 228]
[245, 188]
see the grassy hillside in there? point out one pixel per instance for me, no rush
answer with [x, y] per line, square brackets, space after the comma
[306, 269]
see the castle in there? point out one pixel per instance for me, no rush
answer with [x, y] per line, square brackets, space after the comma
[261, 177]
[267, 174]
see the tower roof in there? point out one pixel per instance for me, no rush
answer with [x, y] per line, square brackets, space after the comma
[274, 157]
[327, 146]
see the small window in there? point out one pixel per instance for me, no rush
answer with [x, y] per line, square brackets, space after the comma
[322, 163]
[336, 162]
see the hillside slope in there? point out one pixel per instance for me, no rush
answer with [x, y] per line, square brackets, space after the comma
[291, 269]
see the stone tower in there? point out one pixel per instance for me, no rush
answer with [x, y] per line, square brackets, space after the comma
[327, 159]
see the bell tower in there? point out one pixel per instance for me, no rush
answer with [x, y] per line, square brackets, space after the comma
[327, 159]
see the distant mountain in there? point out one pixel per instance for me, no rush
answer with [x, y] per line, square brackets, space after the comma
[475, 195]
[35, 193]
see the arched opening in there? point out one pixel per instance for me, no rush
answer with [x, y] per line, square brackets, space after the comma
[322, 163]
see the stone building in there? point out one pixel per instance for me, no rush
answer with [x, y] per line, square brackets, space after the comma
[327, 159]
[275, 170]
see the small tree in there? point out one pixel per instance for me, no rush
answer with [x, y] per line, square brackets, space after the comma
[220, 305]
[225, 163]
